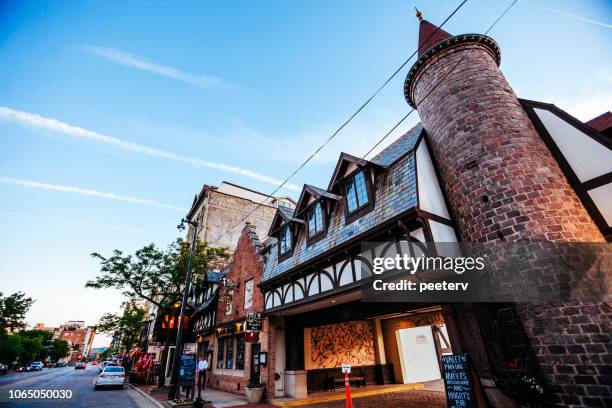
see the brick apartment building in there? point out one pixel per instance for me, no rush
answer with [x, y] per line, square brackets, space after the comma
[79, 338]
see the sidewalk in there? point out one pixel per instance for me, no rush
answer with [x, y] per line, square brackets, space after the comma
[218, 399]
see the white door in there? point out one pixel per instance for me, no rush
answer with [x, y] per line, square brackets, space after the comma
[418, 355]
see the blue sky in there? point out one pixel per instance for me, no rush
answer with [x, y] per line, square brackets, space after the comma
[113, 114]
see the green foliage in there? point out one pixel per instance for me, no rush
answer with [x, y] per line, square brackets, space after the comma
[43, 335]
[10, 348]
[31, 349]
[522, 387]
[153, 274]
[59, 349]
[13, 309]
[127, 326]
[254, 383]
[24, 346]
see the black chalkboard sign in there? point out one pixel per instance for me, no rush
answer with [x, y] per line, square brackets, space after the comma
[187, 369]
[458, 382]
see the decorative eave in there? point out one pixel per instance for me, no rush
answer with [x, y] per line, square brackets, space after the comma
[282, 216]
[207, 305]
[343, 162]
[312, 191]
[482, 39]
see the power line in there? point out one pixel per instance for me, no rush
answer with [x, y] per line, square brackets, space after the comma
[346, 122]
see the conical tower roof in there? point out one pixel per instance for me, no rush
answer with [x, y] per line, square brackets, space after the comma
[429, 34]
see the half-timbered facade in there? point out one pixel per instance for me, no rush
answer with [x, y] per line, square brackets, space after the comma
[527, 171]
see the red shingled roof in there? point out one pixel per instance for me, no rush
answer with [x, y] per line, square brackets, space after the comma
[602, 122]
[428, 36]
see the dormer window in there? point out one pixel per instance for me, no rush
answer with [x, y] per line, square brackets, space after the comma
[315, 219]
[358, 195]
[356, 192]
[284, 240]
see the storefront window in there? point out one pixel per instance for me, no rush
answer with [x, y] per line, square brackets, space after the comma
[220, 351]
[229, 358]
[240, 353]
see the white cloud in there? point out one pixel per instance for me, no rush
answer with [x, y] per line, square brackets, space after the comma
[588, 99]
[138, 62]
[32, 119]
[356, 139]
[574, 16]
[73, 222]
[81, 191]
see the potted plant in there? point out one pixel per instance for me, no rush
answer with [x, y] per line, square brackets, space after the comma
[254, 391]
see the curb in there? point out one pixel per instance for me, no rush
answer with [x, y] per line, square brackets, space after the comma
[147, 396]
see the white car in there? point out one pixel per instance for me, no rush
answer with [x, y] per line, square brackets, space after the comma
[106, 364]
[112, 376]
[36, 366]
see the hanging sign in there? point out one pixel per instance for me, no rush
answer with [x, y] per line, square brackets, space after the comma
[254, 321]
[251, 337]
[457, 381]
[190, 348]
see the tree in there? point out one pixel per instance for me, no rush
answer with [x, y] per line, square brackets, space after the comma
[13, 309]
[43, 336]
[10, 349]
[156, 275]
[31, 349]
[128, 326]
[58, 350]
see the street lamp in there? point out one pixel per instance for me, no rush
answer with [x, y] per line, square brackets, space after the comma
[172, 390]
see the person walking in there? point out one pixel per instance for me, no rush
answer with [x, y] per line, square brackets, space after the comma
[202, 367]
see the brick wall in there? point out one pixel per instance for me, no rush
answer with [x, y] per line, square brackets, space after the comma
[503, 184]
[246, 264]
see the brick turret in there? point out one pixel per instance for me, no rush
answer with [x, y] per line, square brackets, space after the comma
[503, 184]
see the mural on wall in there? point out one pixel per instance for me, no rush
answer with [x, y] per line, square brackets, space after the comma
[347, 342]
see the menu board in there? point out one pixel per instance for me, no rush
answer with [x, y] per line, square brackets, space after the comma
[458, 382]
[187, 369]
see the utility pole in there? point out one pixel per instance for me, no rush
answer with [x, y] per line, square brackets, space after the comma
[172, 390]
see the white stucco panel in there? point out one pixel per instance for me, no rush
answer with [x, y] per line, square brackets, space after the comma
[587, 157]
[430, 194]
[602, 197]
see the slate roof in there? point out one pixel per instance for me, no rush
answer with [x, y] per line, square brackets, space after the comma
[395, 193]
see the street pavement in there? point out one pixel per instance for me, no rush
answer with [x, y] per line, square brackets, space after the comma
[80, 382]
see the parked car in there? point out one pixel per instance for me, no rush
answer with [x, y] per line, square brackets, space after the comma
[36, 366]
[3, 369]
[111, 376]
[106, 364]
[80, 366]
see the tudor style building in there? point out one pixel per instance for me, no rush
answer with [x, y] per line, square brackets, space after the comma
[484, 166]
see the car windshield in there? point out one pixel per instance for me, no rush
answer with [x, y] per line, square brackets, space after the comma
[113, 370]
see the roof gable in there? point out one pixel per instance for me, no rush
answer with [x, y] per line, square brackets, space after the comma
[343, 165]
[317, 193]
[283, 215]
